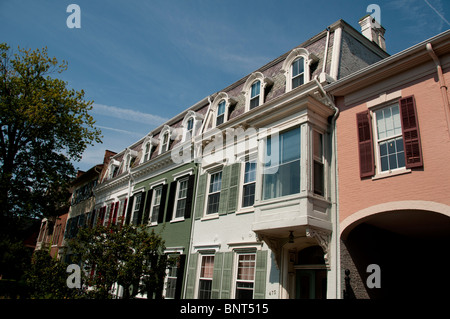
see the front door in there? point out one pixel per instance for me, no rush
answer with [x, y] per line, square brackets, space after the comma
[311, 284]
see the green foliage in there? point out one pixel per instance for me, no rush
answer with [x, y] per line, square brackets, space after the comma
[46, 278]
[120, 254]
[44, 125]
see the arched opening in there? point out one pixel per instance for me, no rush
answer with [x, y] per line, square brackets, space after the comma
[409, 246]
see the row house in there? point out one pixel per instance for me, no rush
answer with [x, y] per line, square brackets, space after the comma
[241, 184]
[304, 179]
[82, 201]
[393, 141]
[265, 212]
[149, 184]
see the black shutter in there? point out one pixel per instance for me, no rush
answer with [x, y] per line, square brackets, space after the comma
[180, 274]
[189, 197]
[148, 203]
[162, 204]
[170, 203]
[130, 207]
[410, 131]
[365, 144]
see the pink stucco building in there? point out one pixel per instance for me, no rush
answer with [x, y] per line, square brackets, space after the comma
[393, 148]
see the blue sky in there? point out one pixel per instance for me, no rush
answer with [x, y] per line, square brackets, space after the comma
[143, 62]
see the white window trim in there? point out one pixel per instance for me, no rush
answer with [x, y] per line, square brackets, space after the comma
[308, 57]
[175, 206]
[264, 83]
[248, 209]
[140, 191]
[208, 184]
[215, 106]
[197, 118]
[149, 140]
[199, 270]
[152, 205]
[384, 100]
[166, 130]
[236, 254]
[323, 162]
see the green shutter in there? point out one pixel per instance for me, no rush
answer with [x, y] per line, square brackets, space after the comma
[200, 200]
[191, 276]
[223, 203]
[234, 188]
[260, 274]
[217, 276]
[227, 274]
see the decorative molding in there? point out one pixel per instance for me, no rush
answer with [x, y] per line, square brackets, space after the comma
[324, 240]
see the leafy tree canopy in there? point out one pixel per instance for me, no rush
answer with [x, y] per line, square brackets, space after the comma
[130, 256]
[44, 126]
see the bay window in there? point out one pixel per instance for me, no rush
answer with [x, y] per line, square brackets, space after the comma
[281, 171]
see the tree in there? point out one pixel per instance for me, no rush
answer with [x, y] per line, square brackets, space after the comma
[44, 126]
[125, 255]
[46, 278]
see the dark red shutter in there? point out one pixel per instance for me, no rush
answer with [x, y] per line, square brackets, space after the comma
[365, 144]
[116, 208]
[410, 131]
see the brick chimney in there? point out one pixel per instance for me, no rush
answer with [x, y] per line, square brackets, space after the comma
[373, 30]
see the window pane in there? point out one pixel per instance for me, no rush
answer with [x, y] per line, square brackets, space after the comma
[248, 197]
[290, 145]
[283, 179]
[392, 154]
[219, 119]
[254, 102]
[255, 89]
[207, 267]
[221, 108]
[213, 203]
[215, 182]
[250, 172]
[297, 67]
[297, 81]
[204, 289]
[388, 122]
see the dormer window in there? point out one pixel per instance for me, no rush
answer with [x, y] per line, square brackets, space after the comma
[297, 68]
[255, 89]
[165, 142]
[255, 94]
[190, 127]
[220, 113]
[298, 72]
[164, 139]
[148, 146]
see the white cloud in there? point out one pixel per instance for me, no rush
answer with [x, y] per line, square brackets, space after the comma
[119, 130]
[128, 114]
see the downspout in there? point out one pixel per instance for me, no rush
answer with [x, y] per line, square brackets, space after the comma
[334, 201]
[442, 84]
[191, 235]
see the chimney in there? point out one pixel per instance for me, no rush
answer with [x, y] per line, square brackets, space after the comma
[373, 30]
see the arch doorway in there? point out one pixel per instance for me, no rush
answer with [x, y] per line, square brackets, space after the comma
[409, 246]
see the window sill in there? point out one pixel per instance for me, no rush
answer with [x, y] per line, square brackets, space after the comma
[210, 216]
[387, 174]
[245, 210]
[176, 220]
